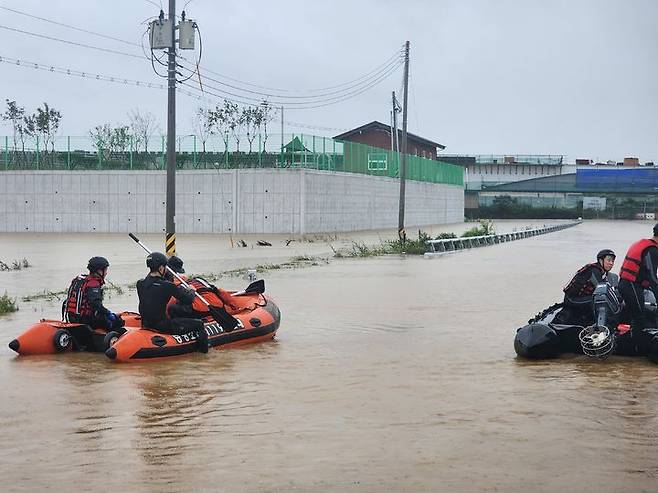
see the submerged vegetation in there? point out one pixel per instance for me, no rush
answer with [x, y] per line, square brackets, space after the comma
[7, 304]
[409, 246]
[15, 265]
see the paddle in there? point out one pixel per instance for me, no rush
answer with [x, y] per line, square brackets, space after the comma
[225, 319]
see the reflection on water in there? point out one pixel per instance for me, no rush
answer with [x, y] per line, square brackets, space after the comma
[388, 374]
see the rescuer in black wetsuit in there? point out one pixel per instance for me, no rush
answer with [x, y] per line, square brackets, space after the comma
[154, 293]
[578, 294]
[638, 272]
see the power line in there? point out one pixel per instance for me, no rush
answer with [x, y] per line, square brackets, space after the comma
[302, 105]
[396, 54]
[352, 83]
[311, 98]
[69, 26]
[79, 73]
[107, 50]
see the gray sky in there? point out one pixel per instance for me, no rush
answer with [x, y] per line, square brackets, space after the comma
[527, 76]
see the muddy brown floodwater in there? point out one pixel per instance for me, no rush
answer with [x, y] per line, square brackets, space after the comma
[387, 374]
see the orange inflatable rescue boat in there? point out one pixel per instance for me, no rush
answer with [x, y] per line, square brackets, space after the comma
[257, 316]
[55, 336]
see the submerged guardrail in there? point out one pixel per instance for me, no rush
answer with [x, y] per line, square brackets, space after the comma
[441, 247]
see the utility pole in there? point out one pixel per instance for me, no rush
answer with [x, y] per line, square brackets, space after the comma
[282, 144]
[170, 232]
[162, 36]
[395, 138]
[403, 163]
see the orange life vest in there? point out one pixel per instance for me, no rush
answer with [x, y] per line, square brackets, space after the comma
[207, 291]
[630, 269]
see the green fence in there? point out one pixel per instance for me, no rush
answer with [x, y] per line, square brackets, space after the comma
[217, 152]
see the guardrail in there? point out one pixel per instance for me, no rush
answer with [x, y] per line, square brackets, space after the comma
[441, 247]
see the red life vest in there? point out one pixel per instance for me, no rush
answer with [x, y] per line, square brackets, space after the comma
[589, 287]
[76, 302]
[630, 269]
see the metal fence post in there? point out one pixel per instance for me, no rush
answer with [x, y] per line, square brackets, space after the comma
[162, 152]
[303, 150]
[99, 152]
[334, 154]
[37, 152]
[131, 152]
[315, 156]
[6, 153]
[68, 152]
[194, 151]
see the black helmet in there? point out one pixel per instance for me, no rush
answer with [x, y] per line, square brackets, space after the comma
[155, 260]
[176, 264]
[97, 263]
[605, 253]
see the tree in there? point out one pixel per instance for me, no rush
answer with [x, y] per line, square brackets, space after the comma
[46, 124]
[142, 126]
[234, 120]
[203, 125]
[222, 119]
[266, 115]
[102, 135]
[14, 114]
[250, 117]
[111, 140]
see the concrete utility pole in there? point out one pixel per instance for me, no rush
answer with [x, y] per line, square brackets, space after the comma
[403, 163]
[282, 144]
[395, 138]
[170, 235]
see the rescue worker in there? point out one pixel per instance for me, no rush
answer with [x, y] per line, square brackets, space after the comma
[176, 264]
[638, 272]
[578, 294]
[84, 299]
[154, 293]
[177, 308]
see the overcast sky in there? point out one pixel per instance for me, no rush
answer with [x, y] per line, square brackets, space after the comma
[573, 77]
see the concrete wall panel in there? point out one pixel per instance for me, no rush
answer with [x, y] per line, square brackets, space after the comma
[218, 201]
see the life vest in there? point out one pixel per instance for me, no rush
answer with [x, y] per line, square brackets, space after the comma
[630, 269]
[590, 285]
[208, 291]
[76, 302]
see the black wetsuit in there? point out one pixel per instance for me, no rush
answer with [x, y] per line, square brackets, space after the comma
[633, 295]
[154, 294]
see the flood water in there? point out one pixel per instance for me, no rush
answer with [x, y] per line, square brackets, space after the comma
[387, 374]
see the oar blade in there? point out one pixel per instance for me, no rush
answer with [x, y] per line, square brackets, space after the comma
[225, 319]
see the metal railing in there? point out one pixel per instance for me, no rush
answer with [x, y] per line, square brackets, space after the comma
[443, 246]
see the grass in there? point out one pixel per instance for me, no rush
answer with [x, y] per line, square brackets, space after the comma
[7, 304]
[109, 290]
[485, 228]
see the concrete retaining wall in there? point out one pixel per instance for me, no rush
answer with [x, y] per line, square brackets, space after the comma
[296, 201]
